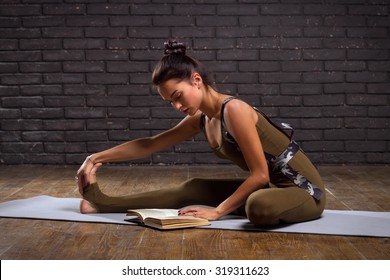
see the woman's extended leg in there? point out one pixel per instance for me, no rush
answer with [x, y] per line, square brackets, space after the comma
[201, 191]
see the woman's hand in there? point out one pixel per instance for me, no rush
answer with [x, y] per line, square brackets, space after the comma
[199, 212]
[86, 175]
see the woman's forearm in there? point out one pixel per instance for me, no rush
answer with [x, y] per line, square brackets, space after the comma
[131, 150]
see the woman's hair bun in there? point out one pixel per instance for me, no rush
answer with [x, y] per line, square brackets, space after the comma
[173, 46]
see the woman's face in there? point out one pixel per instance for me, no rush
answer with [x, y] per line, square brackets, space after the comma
[184, 96]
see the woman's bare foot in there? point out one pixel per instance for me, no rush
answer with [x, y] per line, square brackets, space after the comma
[86, 207]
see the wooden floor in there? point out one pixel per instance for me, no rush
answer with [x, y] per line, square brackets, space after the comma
[353, 188]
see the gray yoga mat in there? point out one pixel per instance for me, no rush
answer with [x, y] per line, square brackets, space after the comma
[333, 222]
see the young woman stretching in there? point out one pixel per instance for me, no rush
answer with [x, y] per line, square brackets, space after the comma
[282, 185]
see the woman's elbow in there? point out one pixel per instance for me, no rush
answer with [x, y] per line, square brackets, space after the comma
[262, 180]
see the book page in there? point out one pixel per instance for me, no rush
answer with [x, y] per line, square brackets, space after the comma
[155, 213]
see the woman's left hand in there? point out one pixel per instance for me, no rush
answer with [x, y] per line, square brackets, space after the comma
[199, 212]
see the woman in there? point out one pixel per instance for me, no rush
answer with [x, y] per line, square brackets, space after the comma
[282, 186]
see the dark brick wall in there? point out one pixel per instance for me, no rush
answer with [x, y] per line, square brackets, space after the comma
[75, 74]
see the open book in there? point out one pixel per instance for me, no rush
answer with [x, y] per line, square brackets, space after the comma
[164, 218]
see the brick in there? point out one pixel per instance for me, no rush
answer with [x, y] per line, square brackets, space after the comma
[277, 31]
[366, 100]
[326, 146]
[369, 77]
[242, 78]
[342, 43]
[64, 9]
[257, 43]
[281, 101]
[131, 44]
[86, 20]
[42, 113]
[7, 136]
[63, 78]
[147, 9]
[107, 101]
[21, 79]
[63, 125]
[324, 100]
[62, 32]
[64, 101]
[280, 54]
[62, 55]
[344, 88]
[40, 67]
[345, 66]
[85, 113]
[241, 10]
[378, 88]
[379, 111]
[325, 10]
[301, 20]
[140, 78]
[107, 124]
[19, 33]
[106, 32]
[300, 43]
[21, 124]
[20, 56]
[82, 136]
[258, 66]
[107, 78]
[15, 102]
[367, 54]
[370, 146]
[324, 123]
[344, 111]
[132, 113]
[258, 21]
[84, 90]
[40, 44]
[20, 10]
[84, 43]
[21, 147]
[375, 10]
[302, 66]
[236, 32]
[173, 20]
[308, 112]
[301, 89]
[279, 77]
[55, 148]
[324, 54]
[149, 32]
[194, 10]
[280, 9]
[30, 90]
[366, 122]
[43, 21]
[185, 31]
[323, 77]
[39, 136]
[130, 21]
[216, 21]
[8, 68]
[331, 32]
[345, 134]
[378, 134]
[8, 45]
[237, 55]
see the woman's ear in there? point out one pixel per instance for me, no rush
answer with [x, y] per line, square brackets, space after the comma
[197, 80]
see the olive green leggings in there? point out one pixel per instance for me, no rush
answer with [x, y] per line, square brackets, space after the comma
[268, 206]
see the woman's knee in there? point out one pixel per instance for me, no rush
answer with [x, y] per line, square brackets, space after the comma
[260, 210]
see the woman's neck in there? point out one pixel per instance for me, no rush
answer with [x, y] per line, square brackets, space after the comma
[212, 102]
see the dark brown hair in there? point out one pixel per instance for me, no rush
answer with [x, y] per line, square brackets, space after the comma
[177, 65]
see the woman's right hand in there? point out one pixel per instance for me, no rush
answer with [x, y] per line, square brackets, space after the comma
[86, 175]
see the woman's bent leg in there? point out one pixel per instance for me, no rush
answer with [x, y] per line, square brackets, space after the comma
[272, 206]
